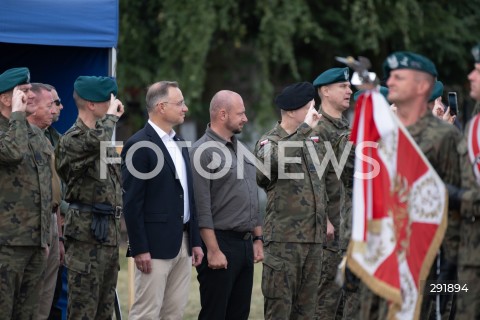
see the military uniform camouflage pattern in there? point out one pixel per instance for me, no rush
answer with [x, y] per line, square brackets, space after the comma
[438, 141]
[26, 202]
[92, 266]
[294, 225]
[469, 249]
[337, 132]
[349, 306]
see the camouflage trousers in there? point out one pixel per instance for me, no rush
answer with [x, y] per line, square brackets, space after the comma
[349, 306]
[329, 293]
[92, 279]
[21, 269]
[290, 280]
[372, 306]
[468, 303]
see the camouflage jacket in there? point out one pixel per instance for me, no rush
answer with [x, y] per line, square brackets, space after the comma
[438, 141]
[26, 188]
[78, 164]
[339, 188]
[469, 249]
[295, 207]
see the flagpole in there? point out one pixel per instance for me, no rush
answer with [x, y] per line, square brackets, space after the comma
[131, 283]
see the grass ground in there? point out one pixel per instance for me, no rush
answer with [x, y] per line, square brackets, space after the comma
[193, 306]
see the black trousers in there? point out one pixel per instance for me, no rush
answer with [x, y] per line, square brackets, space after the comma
[226, 293]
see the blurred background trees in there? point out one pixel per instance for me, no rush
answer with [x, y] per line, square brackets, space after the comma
[257, 47]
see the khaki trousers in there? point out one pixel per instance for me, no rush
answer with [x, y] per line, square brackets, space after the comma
[50, 278]
[163, 293]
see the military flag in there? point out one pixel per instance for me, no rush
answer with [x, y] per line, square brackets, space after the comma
[399, 208]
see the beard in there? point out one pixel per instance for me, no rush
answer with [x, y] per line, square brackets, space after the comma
[235, 129]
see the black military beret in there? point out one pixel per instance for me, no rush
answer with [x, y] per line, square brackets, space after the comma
[13, 77]
[295, 96]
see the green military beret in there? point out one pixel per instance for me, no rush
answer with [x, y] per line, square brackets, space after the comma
[95, 89]
[476, 53]
[13, 77]
[383, 91]
[330, 76]
[437, 91]
[408, 60]
[295, 96]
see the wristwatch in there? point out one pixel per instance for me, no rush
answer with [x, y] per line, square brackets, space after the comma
[258, 238]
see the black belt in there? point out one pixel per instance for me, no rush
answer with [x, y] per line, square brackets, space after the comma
[185, 226]
[83, 207]
[235, 234]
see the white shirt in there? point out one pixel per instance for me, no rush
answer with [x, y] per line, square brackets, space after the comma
[180, 167]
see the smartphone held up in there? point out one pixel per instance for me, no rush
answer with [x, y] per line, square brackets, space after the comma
[453, 103]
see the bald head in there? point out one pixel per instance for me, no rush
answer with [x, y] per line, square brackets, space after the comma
[223, 100]
[227, 113]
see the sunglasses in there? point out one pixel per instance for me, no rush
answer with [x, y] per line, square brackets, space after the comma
[57, 102]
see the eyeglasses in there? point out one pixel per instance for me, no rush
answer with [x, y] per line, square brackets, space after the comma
[178, 104]
[57, 102]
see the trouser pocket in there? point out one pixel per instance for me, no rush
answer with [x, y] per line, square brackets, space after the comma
[274, 279]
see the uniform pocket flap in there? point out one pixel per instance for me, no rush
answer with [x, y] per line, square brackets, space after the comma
[76, 265]
[272, 261]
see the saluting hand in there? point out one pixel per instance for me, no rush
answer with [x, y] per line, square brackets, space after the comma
[116, 107]
[19, 100]
[312, 116]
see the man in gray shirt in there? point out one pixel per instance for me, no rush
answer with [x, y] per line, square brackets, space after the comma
[227, 208]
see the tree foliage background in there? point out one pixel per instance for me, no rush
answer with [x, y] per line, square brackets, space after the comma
[257, 47]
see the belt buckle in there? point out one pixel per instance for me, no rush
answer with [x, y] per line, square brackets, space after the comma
[118, 212]
[247, 236]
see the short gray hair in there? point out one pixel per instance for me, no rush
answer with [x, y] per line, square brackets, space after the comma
[37, 87]
[158, 91]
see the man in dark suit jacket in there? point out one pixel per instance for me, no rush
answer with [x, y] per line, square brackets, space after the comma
[159, 208]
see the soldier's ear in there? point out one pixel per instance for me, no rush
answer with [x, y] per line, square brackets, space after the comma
[6, 98]
[90, 105]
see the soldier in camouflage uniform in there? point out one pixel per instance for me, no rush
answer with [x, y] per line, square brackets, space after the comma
[411, 78]
[469, 248]
[25, 198]
[333, 88]
[92, 223]
[295, 214]
[42, 118]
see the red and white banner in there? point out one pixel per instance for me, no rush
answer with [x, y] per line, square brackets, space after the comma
[474, 145]
[399, 208]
